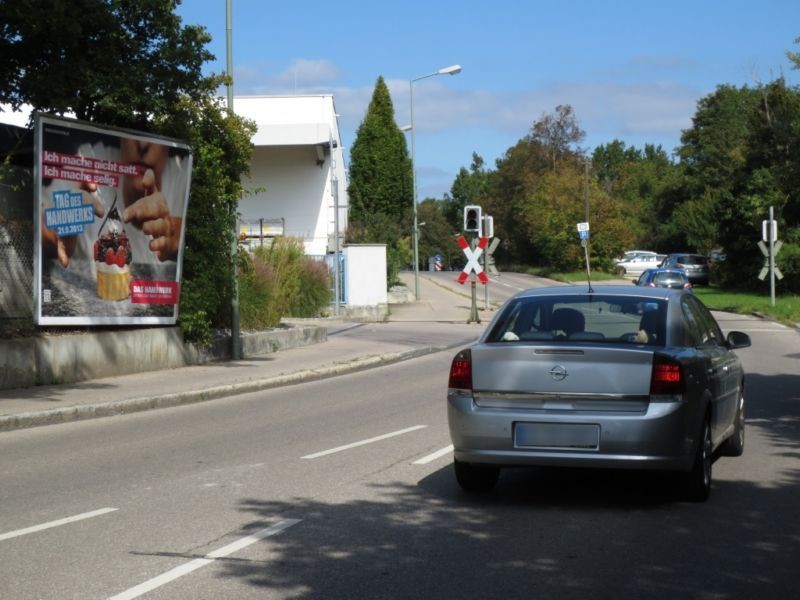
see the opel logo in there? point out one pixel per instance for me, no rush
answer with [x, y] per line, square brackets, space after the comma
[558, 373]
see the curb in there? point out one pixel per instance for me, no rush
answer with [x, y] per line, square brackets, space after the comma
[766, 317]
[109, 409]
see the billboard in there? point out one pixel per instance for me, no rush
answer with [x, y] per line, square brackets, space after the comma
[109, 224]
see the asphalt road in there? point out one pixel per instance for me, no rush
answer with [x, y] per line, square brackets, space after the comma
[343, 489]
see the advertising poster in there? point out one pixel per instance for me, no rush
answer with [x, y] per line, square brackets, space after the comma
[110, 224]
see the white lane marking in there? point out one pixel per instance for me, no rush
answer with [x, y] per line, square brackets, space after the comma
[432, 457]
[363, 442]
[197, 563]
[56, 523]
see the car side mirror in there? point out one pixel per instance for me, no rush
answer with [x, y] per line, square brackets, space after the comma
[737, 339]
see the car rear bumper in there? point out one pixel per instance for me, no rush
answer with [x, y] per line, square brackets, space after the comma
[660, 437]
[698, 279]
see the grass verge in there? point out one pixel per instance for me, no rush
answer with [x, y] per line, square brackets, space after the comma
[786, 309]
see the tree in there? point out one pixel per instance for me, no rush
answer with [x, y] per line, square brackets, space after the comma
[133, 64]
[469, 187]
[637, 179]
[557, 132]
[514, 188]
[438, 235]
[794, 56]
[507, 193]
[105, 61]
[380, 168]
[380, 189]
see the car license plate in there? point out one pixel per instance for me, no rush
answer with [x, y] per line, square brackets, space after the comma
[577, 436]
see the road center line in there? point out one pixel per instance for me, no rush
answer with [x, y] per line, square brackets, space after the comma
[432, 457]
[197, 563]
[56, 523]
[363, 442]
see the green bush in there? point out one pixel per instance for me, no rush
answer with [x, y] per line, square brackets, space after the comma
[788, 261]
[283, 258]
[314, 294]
[256, 291]
[280, 281]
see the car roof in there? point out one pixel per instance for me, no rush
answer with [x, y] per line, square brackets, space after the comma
[613, 290]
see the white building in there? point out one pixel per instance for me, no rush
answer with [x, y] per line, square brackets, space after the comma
[298, 171]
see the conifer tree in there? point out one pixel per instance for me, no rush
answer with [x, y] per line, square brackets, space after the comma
[380, 192]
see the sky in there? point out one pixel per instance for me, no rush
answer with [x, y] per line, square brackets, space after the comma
[631, 70]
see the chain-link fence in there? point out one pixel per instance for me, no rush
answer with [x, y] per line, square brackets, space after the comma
[16, 248]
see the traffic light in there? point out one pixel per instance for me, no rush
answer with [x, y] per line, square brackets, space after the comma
[488, 226]
[472, 218]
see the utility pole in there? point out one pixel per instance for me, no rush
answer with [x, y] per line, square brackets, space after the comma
[236, 346]
[586, 188]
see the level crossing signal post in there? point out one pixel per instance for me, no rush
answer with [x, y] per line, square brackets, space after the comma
[769, 234]
[474, 225]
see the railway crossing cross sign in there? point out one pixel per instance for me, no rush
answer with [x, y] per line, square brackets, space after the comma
[765, 251]
[472, 259]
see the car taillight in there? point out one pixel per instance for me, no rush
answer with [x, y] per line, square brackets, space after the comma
[461, 371]
[666, 378]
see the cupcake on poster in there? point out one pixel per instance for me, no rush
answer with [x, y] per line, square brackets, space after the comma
[113, 257]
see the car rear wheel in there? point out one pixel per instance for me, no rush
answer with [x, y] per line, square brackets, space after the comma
[697, 482]
[734, 445]
[475, 478]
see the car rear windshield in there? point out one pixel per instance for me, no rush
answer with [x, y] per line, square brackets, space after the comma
[582, 318]
[692, 260]
[668, 277]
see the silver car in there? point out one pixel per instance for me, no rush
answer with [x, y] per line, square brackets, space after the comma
[635, 266]
[610, 377]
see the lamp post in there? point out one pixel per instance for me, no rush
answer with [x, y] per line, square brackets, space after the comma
[451, 70]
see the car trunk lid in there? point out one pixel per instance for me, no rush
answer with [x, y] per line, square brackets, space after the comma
[561, 377]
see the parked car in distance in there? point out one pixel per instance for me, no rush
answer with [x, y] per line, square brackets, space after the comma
[630, 254]
[606, 377]
[633, 267]
[717, 255]
[695, 265]
[668, 278]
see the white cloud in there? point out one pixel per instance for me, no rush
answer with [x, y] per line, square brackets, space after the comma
[604, 109]
[301, 76]
[304, 73]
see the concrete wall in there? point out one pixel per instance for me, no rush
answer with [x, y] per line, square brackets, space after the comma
[55, 359]
[367, 295]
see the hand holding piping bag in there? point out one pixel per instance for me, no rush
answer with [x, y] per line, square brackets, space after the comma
[151, 214]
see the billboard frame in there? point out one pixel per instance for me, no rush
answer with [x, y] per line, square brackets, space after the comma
[79, 166]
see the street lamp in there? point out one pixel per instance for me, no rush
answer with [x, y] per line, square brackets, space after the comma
[451, 70]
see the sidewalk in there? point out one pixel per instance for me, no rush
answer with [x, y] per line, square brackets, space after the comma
[437, 322]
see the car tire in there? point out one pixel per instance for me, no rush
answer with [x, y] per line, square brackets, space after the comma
[475, 478]
[734, 445]
[697, 482]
